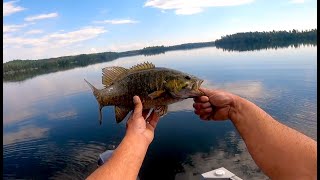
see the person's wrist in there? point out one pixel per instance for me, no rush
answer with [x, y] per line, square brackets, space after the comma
[234, 107]
[137, 138]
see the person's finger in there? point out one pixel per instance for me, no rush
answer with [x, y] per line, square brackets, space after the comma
[200, 106]
[206, 110]
[200, 113]
[201, 99]
[205, 117]
[153, 121]
[145, 113]
[197, 112]
[196, 106]
[205, 105]
[137, 107]
[129, 119]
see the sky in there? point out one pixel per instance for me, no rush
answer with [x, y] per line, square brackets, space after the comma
[36, 29]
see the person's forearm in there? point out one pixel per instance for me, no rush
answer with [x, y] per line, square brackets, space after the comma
[125, 161]
[281, 152]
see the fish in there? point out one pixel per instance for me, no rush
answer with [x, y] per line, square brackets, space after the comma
[157, 87]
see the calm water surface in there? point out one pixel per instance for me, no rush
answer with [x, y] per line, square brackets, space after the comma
[51, 128]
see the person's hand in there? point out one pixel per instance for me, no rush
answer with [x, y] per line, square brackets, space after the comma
[140, 127]
[214, 105]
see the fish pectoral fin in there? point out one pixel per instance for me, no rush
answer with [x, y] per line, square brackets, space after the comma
[110, 74]
[121, 113]
[161, 110]
[156, 94]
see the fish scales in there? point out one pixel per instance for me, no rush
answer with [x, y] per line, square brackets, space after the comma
[141, 84]
[157, 88]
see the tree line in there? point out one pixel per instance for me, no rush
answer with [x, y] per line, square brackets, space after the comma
[264, 40]
[18, 70]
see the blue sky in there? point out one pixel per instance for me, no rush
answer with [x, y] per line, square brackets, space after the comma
[35, 29]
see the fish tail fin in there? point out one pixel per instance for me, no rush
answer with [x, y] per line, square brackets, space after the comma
[96, 94]
[94, 89]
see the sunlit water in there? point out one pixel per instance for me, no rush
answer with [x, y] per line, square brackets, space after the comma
[51, 128]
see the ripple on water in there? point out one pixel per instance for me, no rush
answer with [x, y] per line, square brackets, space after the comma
[80, 161]
[72, 160]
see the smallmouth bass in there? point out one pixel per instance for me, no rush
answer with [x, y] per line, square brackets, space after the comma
[157, 87]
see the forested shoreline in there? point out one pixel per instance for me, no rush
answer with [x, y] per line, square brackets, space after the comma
[266, 40]
[19, 70]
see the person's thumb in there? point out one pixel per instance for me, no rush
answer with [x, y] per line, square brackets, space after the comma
[137, 107]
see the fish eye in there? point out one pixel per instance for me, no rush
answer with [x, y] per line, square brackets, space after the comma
[188, 77]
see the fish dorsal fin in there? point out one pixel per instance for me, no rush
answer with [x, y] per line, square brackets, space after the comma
[142, 66]
[121, 113]
[110, 74]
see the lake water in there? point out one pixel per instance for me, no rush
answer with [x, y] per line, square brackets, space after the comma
[51, 128]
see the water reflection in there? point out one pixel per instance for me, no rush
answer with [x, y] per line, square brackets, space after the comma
[26, 133]
[69, 114]
[252, 90]
[231, 154]
[51, 124]
[61, 91]
[26, 97]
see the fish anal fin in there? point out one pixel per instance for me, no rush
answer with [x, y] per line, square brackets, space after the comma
[156, 94]
[121, 113]
[110, 74]
[161, 110]
[142, 66]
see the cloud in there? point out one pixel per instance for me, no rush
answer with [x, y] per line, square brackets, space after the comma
[76, 36]
[297, 1]
[49, 45]
[9, 8]
[55, 39]
[182, 7]
[35, 31]
[41, 16]
[188, 11]
[13, 27]
[93, 50]
[126, 46]
[119, 21]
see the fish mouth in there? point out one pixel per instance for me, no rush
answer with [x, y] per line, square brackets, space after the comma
[191, 92]
[199, 83]
[195, 92]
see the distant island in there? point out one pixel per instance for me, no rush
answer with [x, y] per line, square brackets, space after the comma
[250, 41]
[19, 70]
